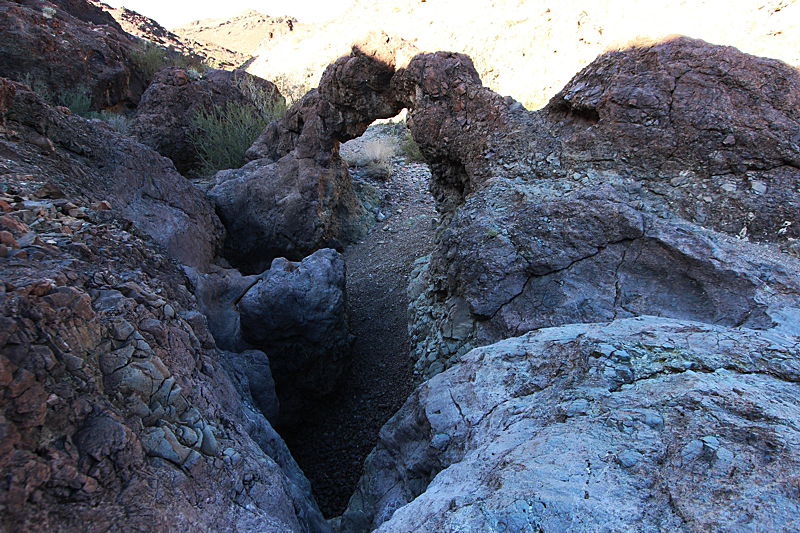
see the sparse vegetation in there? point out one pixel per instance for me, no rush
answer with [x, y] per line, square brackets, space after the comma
[291, 90]
[410, 148]
[149, 58]
[78, 101]
[374, 156]
[222, 135]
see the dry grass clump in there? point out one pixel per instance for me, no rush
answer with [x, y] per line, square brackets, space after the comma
[374, 155]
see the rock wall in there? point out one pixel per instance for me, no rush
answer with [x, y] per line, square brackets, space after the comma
[600, 205]
[69, 47]
[115, 410]
[91, 161]
[640, 424]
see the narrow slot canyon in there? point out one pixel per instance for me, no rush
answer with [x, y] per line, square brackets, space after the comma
[333, 441]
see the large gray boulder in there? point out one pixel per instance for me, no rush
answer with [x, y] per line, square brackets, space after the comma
[605, 204]
[297, 315]
[641, 424]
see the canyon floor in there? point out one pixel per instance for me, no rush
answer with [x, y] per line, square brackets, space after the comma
[332, 445]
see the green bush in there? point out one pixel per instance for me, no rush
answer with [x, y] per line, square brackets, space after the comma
[78, 101]
[409, 147]
[149, 58]
[221, 136]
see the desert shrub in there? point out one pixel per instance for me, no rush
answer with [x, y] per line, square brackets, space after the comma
[292, 90]
[410, 147]
[149, 58]
[222, 135]
[78, 101]
[374, 156]
[39, 87]
[119, 122]
[262, 99]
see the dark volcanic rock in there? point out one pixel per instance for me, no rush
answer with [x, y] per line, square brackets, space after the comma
[296, 196]
[114, 403]
[164, 114]
[297, 315]
[90, 160]
[693, 122]
[73, 48]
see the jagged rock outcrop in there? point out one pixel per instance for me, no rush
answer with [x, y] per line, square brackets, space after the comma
[645, 424]
[90, 160]
[164, 116]
[69, 48]
[297, 314]
[114, 402]
[600, 205]
[295, 196]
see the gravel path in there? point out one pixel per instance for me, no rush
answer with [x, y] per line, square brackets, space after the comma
[332, 446]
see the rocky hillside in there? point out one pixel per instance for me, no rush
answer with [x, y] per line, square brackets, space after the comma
[530, 49]
[242, 33]
[211, 52]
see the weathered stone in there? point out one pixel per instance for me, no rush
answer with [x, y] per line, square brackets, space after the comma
[297, 316]
[68, 53]
[165, 113]
[636, 455]
[103, 165]
[296, 196]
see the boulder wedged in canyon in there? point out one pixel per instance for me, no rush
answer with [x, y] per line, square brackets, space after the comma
[88, 159]
[116, 412]
[296, 196]
[646, 424]
[69, 47]
[288, 323]
[164, 116]
[297, 314]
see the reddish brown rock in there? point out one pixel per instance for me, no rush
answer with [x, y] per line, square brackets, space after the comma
[164, 115]
[113, 402]
[99, 164]
[77, 49]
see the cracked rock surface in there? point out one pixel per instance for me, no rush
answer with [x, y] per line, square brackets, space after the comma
[641, 424]
[638, 190]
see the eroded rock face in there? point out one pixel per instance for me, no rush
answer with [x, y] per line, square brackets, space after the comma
[114, 402]
[647, 423]
[90, 160]
[295, 196]
[76, 48]
[164, 114]
[297, 314]
[600, 205]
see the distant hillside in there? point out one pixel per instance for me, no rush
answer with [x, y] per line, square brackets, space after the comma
[530, 48]
[146, 28]
[241, 33]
